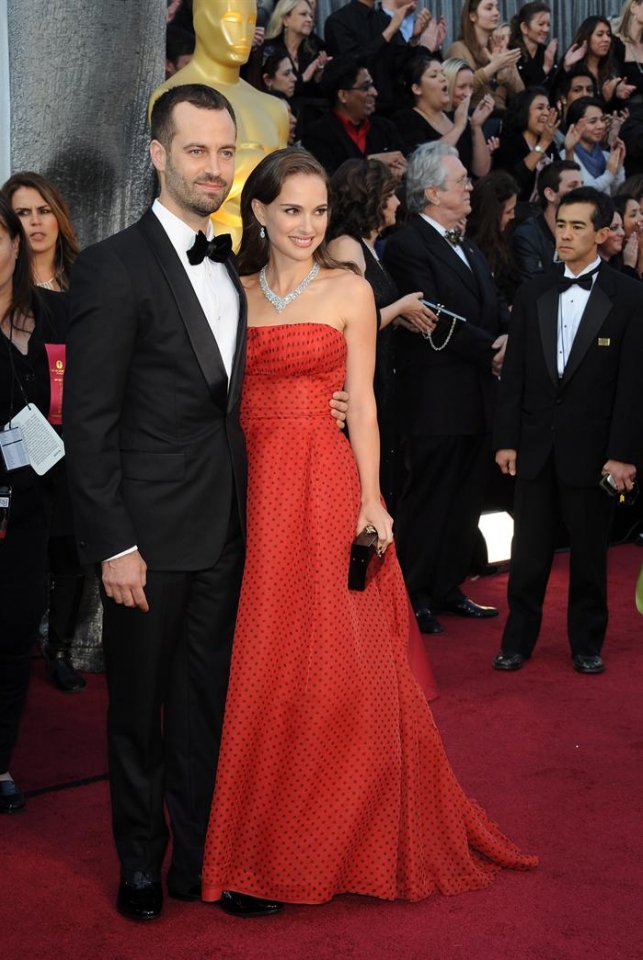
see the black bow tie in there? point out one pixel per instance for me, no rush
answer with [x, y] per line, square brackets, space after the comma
[454, 237]
[584, 282]
[218, 249]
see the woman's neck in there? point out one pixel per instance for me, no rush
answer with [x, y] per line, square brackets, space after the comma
[292, 43]
[531, 138]
[371, 238]
[44, 268]
[530, 46]
[482, 37]
[285, 274]
[428, 111]
[592, 62]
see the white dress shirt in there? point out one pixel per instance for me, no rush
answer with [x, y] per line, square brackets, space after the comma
[457, 248]
[571, 306]
[211, 281]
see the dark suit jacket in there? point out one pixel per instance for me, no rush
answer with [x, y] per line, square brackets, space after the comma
[155, 451]
[595, 412]
[328, 141]
[450, 393]
[534, 247]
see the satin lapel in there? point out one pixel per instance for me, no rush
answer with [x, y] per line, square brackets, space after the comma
[198, 329]
[443, 251]
[239, 360]
[548, 322]
[598, 307]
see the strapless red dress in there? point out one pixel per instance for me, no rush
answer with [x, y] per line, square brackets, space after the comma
[332, 776]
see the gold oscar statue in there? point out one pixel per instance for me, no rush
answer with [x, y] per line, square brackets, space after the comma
[224, 32]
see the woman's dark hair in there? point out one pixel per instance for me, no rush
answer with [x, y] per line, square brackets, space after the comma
[525, 15]
[633, 186]
[21, 290]
[272, 63]
[576, 110]
[414, 71]
[265, 183]
[467, 31]
[488, 198]
[607, 63]
[67, 248]
[517, 116]
[621, 200]
[359, 192]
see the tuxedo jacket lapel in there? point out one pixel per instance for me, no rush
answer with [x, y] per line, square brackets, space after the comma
[442, 250]
[598, 307]
[198, 329]
[548, 323]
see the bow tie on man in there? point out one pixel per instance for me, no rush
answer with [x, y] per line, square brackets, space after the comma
[453, 236]
[217, 249]
[584, 281]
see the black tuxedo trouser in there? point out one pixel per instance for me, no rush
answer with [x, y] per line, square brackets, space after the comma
[438, 512]
[587, 512]
[167, 676]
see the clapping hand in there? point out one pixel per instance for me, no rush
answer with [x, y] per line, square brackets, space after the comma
[574, 134]
[492, 144]
[434, 34]
[550, 55]
[614, 124]
[483, 110]
[631, 251]
[421, 23]
[616, 157]
[574, 53]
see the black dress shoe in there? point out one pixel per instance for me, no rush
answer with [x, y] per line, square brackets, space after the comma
[509, 661]
[466, 608]
[12, 800]
[243, 905]
[427, 622]
[187, 894]
[140, 901]
[63, 674]
[588, 664]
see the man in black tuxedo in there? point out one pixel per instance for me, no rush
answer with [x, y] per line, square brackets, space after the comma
[570, 410]
[445, 387]
[157, 466]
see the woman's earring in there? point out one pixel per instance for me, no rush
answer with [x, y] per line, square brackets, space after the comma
[262, 233]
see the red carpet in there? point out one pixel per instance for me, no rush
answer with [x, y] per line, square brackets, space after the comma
[555, 757]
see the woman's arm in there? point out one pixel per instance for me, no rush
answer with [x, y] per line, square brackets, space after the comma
[360, 331]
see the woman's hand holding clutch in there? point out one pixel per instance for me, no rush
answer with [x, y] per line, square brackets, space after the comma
[375, 515]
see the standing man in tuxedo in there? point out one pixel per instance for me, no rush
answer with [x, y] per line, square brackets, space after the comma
[445, 386]
[570, 411]
[157, 465]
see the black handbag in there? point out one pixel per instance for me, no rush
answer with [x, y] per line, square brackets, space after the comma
[363, 550]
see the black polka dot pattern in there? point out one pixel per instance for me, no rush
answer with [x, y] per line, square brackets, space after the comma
[332, 776]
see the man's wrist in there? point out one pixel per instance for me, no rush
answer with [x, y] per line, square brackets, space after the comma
[123, 553]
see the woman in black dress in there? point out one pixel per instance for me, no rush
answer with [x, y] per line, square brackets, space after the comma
[527, 140]
[493, 208]
[363, 205]
[29, 320]
[428, 119]
[529, 31]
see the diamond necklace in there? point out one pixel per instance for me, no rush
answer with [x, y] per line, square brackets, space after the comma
[280, 303]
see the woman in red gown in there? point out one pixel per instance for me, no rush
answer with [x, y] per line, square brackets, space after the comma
[332, 776]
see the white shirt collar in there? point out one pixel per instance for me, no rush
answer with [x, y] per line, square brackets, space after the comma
[180, 233]
[434, 223]
[588, 269]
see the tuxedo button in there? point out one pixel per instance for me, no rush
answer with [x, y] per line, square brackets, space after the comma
[82, 543]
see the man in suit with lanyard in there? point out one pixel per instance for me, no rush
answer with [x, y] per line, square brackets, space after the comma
[157, 466]
[445, 388]
[570, 412]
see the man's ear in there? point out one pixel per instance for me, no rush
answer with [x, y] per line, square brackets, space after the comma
[431, 196]
[158, 155]
[602, 235]
[550, 195]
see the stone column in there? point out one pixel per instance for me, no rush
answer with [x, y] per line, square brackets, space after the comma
[80, 77]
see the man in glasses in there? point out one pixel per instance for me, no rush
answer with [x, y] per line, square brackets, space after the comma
[351, 130]
[445, 385]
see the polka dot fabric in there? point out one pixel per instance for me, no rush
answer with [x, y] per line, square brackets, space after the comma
[332, 776]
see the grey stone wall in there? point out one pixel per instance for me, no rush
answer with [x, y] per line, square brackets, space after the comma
[81, 72]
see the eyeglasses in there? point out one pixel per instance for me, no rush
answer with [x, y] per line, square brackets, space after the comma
[462, 182]
[364, 87]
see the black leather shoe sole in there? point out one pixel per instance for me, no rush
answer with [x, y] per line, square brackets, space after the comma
[140, 902]
[467, 608]
[243, 905]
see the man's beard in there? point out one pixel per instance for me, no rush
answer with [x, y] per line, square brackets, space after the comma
[186, 195]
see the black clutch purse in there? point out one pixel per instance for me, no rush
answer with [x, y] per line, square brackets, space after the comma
[363, 550]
